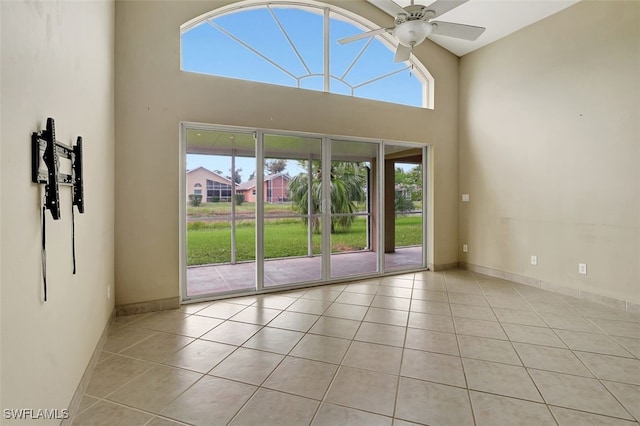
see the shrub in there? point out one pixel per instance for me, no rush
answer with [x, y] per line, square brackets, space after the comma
[195, 199]
[239, 199]
[403, 204]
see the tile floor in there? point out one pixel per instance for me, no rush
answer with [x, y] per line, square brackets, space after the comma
[452, 348]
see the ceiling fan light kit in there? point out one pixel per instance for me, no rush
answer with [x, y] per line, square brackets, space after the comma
[413, 25]
[412, 33]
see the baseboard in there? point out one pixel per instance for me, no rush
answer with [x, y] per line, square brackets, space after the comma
[443, 266]
[84, 381]
[151, 306]
[611, 302]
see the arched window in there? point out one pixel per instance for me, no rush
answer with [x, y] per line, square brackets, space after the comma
[295, 44]
[197, 189]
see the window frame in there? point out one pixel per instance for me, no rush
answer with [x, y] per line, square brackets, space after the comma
[329, 12]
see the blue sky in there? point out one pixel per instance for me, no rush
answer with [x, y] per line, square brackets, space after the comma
[217, 49]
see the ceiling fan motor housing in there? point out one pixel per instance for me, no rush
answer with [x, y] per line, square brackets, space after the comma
[415, 13]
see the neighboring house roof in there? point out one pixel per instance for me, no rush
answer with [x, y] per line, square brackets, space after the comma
[245, 186]
[209, 171]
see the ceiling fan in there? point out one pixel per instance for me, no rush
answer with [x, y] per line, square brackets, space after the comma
[414, 23]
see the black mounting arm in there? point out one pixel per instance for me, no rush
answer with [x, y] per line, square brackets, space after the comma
[50, 158]
[46, 152]
[45, 168]
[76, 167]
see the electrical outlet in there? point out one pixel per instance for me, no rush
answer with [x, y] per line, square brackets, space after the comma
[534, 260]
[465, 248]
[465, 198]
[582, 268]
[108, 292]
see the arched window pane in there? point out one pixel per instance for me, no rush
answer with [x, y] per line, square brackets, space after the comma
[258, 29]
[207, 50]
[312, 83]
[283, 43]
[339, 87]
[386, 90]
[343, 55]
[306, 31]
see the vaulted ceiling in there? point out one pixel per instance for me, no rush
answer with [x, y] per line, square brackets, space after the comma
[499, 17]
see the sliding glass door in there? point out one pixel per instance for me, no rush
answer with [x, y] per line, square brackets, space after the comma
[352, 180]
[404, 216]
[220, 216]
[265, 210]
[292, 220]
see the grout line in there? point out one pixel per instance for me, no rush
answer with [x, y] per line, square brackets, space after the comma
[520, 358]
[344, 290]
[404, 345]
[464, 372]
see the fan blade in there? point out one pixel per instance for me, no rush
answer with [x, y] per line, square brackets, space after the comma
[443, 6]
[462, 31]
[402, 53]
[362, 35]
[388, 6]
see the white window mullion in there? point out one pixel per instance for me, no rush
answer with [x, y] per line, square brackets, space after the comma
[242, 43]
[286, 35]
[327, 46]
[426, 203]
[326, 209]
[310, 211]
[259, 211]
[380, 223]
[373, 80]
[350, 67]
[283, 35]
[233, 206]
[183, 249]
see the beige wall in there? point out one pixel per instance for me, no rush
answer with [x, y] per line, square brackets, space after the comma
[549, 149]
[57, 60]
[153, 96]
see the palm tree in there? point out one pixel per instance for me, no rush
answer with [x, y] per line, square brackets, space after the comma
[347, 189]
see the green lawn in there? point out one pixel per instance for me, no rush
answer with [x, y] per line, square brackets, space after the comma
[210, 242]
[224, 209]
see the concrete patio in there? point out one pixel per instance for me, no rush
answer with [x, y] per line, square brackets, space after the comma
[222, 278]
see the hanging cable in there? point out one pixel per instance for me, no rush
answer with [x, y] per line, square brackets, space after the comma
[46, 154]
[73, 239]
[44, 248]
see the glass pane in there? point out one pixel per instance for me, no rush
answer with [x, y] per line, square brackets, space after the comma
[286, 253]
[208, 50]
[343, 55]
[386, 89]
[220, 227]
[305, 28]
[376, 61]
[313, 82]
[285, 45]
[268, 40]
[292, 225]
[339, 87]
[352, 218]
[403, 216]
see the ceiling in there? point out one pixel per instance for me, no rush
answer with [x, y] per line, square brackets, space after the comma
[242, 144]
[499, 17]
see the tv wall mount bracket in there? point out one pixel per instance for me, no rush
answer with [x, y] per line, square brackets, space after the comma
[46, 154]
